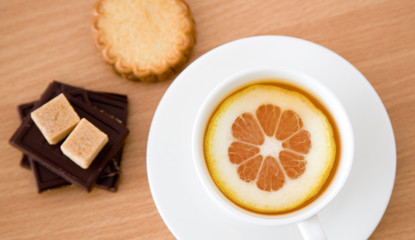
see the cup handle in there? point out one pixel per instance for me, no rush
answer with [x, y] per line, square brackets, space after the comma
[311, 229]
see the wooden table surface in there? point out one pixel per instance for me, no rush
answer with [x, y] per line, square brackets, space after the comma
[44, 40]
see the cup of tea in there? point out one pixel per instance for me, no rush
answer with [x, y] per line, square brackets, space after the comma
[273, 146]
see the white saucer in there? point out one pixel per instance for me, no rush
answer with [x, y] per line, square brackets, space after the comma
[190, 213]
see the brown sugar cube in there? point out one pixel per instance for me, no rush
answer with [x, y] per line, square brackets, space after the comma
[84, 143]
[55, 119]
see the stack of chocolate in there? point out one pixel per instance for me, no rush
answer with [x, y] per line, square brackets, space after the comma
[51, 167]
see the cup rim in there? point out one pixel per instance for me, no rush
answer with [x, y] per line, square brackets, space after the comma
[309, 84]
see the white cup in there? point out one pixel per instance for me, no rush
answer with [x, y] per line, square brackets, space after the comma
[305, 217]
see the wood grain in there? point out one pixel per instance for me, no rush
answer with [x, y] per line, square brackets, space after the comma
[51, 39]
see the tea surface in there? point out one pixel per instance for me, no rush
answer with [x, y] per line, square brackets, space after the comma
[269, 148]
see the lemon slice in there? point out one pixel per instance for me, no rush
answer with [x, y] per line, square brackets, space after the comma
[269, 149]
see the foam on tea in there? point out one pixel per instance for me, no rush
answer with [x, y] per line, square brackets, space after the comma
[269, 149]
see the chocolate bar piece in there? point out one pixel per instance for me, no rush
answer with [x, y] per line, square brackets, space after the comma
[108, 179]
[113, 104]
[107, 101]
[29, 139]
